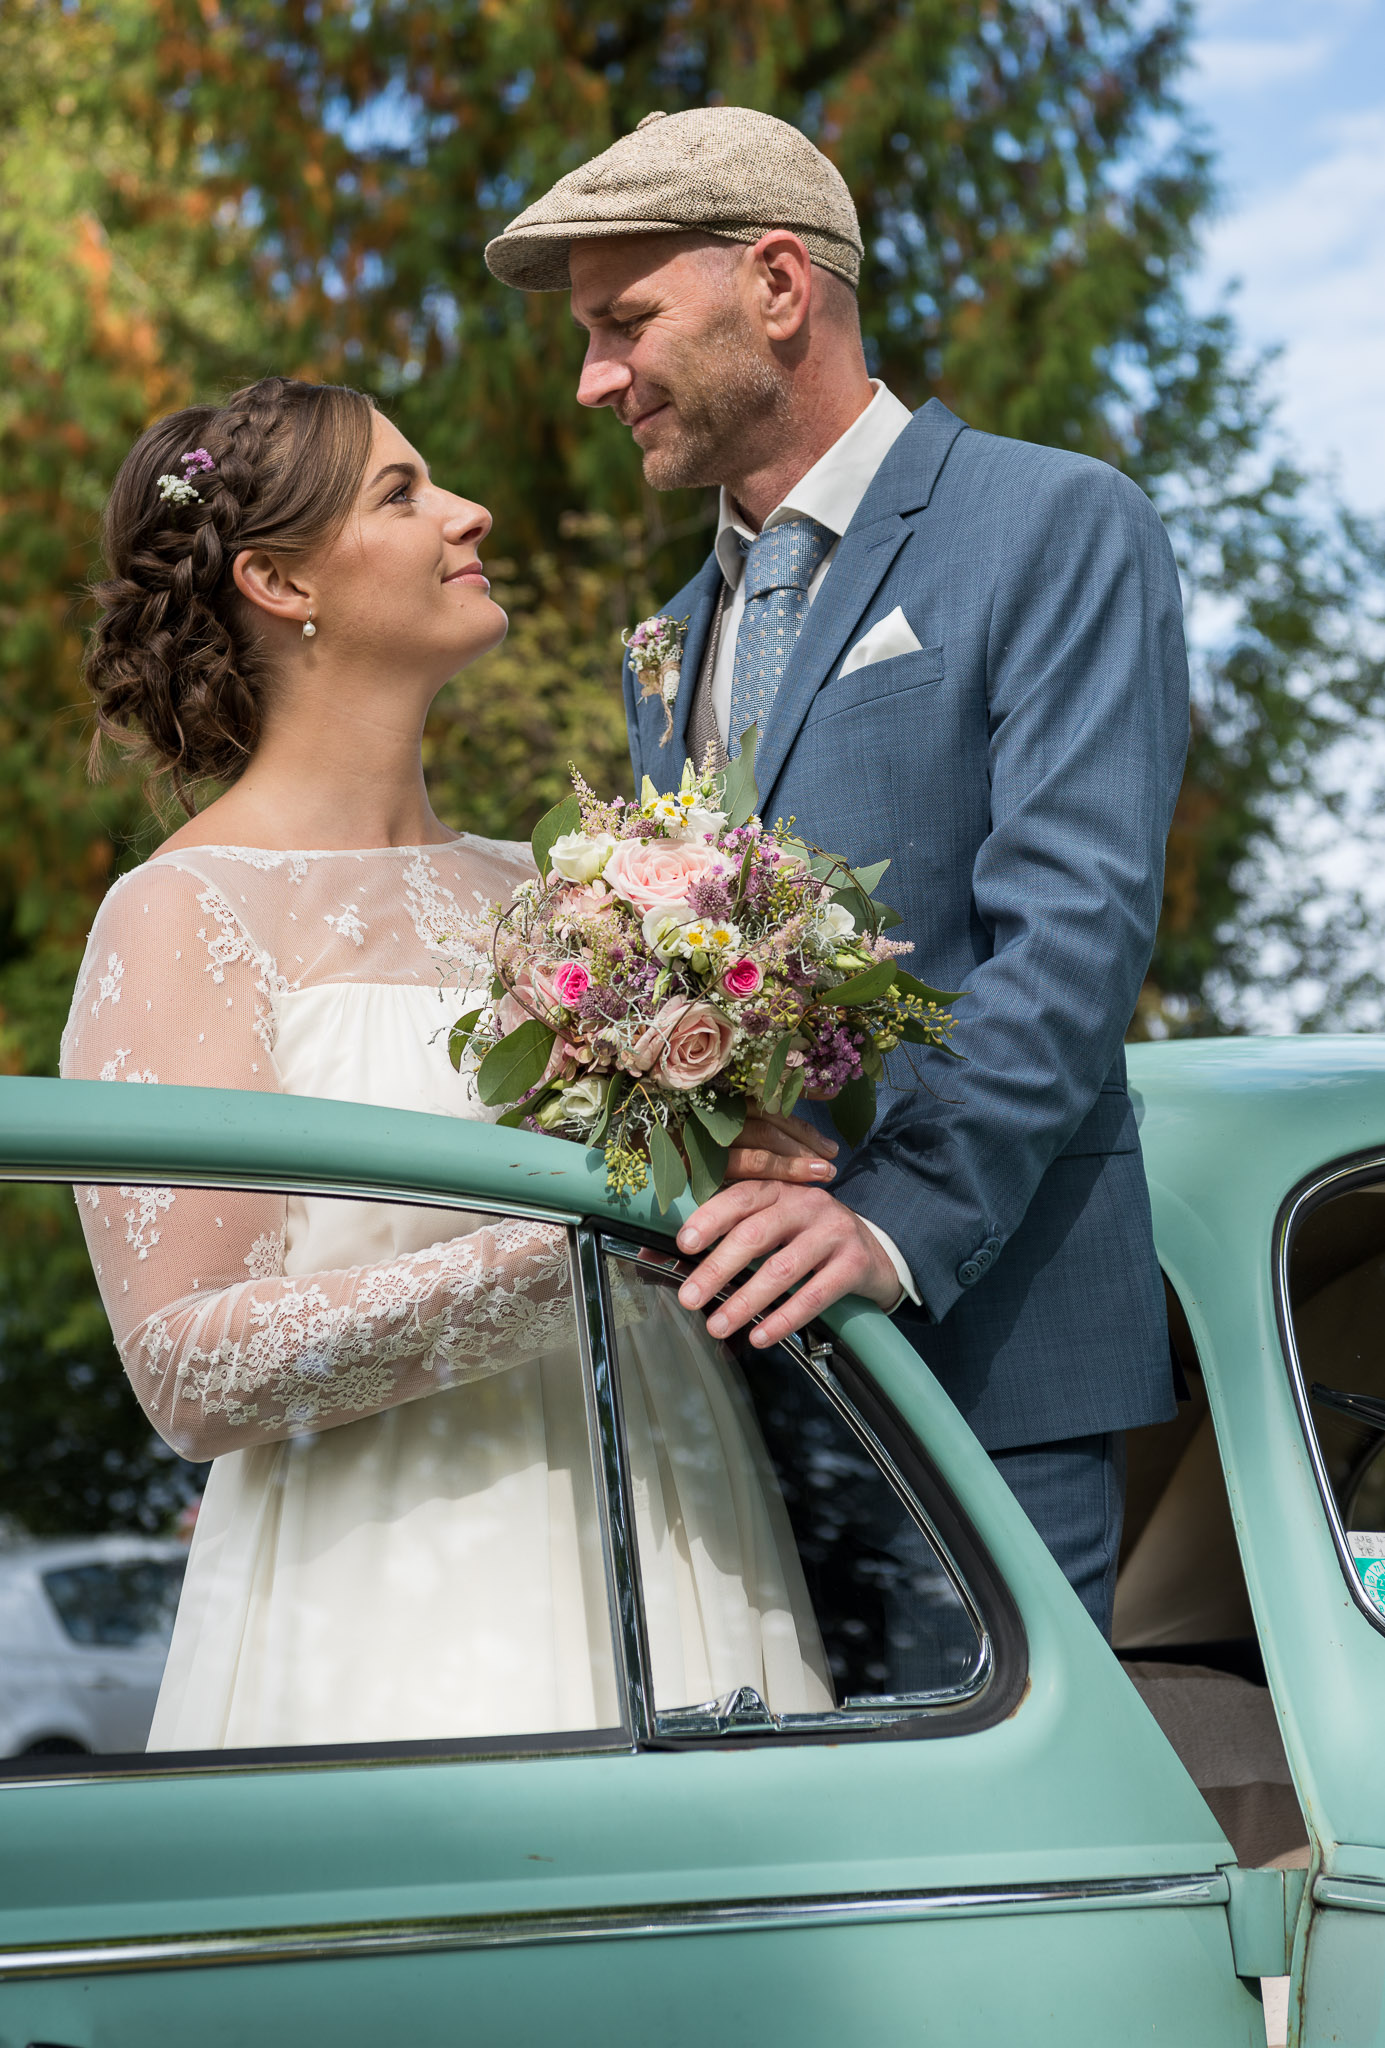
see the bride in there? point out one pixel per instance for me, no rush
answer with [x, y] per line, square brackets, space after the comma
[392, 1543]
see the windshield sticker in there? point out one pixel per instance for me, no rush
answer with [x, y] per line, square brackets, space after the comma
[1368, 1548]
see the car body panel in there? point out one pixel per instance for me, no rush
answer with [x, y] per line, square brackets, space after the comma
[1228, 1127]
[1075, 1787]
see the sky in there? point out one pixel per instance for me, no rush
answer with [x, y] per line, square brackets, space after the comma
[1293, 94]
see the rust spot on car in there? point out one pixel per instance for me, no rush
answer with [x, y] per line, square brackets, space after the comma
[1028, 1688]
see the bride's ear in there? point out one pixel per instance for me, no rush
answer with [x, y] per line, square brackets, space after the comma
[259, 578]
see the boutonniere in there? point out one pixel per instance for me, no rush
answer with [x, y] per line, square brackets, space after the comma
[655, 648]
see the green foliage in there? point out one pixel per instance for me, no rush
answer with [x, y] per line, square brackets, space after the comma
[193, 193]
[76, 1454]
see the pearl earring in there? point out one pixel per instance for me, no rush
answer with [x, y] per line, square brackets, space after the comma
[309, 629]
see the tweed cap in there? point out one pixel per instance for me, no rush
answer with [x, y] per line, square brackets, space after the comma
[727, 171]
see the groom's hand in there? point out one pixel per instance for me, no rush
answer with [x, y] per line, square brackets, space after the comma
[812, 1248]
[781, 1148]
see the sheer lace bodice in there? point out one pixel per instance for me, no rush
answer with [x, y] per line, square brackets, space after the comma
[235, 968]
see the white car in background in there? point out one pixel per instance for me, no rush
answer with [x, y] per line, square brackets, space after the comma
[85, 1623]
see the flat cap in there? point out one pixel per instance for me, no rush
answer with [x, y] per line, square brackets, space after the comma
[725, 171]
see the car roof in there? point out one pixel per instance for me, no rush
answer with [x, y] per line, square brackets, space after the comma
[57, 1553]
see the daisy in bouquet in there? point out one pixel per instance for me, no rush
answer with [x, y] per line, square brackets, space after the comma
[677, 965]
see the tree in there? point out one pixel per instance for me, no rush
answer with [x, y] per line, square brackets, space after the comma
[192, 193]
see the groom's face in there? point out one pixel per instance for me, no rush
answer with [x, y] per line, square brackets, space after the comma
[674, 350]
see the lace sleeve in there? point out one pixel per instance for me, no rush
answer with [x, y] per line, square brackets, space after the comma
[224, 1350]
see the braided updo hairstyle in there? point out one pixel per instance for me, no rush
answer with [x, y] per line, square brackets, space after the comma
[176, 663]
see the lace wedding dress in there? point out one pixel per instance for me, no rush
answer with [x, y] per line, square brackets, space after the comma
[399, 1537]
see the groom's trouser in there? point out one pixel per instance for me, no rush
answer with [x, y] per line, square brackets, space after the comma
[1074, 1494]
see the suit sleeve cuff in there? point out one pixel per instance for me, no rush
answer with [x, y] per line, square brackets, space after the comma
[907, 1289]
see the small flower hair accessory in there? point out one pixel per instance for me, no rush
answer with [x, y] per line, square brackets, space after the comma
[180, 490]
[655, 648]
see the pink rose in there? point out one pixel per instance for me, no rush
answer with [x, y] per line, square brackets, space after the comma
[571, 983]
[742, 978]
[582, 899]
[656, 874]
[532, 993]
[685, 1045]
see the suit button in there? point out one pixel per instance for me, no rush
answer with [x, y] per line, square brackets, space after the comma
[993, 1246]
[969, 1272]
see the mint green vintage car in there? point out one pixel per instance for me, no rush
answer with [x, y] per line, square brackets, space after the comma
[993, 1832]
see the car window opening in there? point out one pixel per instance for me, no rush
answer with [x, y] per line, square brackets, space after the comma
[1337, 1301]
[760, 1501]
[1184, 1629]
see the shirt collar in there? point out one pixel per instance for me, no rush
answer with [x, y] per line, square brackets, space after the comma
[832, 489]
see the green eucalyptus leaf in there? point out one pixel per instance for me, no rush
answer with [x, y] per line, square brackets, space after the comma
[867, 878]
[886, 918]
[853, 1110]
[908, 986]
[706, 1160]
[670, 1174]
[517, 1064]
[460, 1034]
[564, 817]
[723, 1120]
[513, 1119]
[877, 981]
[792, 1089]
[774, 1072]
[615, 1095]
[739, 795]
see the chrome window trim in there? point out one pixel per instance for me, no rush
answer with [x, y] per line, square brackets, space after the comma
[282, 1184]
[1354, 1894]
[878, 1716]
[634, 1672]
[1310, 1195]
[342, 1940]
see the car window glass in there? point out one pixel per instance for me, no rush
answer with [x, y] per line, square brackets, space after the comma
[786, 1577]
[286, 1471]
[1336, 1304]
[125, 1604]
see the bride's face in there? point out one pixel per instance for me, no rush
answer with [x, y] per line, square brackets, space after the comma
[402, 583]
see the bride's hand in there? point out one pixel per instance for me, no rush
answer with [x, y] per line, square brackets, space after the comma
[781, 1148]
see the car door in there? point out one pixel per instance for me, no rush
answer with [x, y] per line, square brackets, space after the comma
[962, 1826]
[1267, 1170]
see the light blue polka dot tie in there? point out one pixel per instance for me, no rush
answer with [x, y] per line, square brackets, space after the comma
[779, 566]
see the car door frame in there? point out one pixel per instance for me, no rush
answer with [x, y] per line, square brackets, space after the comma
[779, 1836]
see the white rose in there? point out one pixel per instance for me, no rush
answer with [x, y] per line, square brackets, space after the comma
[584, 1100]
[836, 921]
[664, 933]
[580, 856]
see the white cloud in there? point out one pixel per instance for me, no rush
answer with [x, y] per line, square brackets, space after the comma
[1242, 64]
[1311, 257]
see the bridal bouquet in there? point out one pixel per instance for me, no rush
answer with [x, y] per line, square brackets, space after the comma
[677, 965]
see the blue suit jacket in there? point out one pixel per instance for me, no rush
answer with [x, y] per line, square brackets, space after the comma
[1020, 773]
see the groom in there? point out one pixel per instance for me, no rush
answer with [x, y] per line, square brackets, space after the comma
[964, 654]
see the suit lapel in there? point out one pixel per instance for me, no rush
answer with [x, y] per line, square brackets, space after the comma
[696, 602]
[904, 484]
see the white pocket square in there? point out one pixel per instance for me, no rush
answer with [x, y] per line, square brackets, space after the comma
[886, 638]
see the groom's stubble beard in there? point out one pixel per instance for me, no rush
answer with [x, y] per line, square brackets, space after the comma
[727, 398]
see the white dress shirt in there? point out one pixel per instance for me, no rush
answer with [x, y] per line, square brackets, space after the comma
[829, 493]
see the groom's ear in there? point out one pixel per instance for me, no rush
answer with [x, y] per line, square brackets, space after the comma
[782, 284]
[266, 585]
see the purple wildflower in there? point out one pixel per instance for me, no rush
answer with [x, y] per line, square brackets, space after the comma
[833, 1059]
